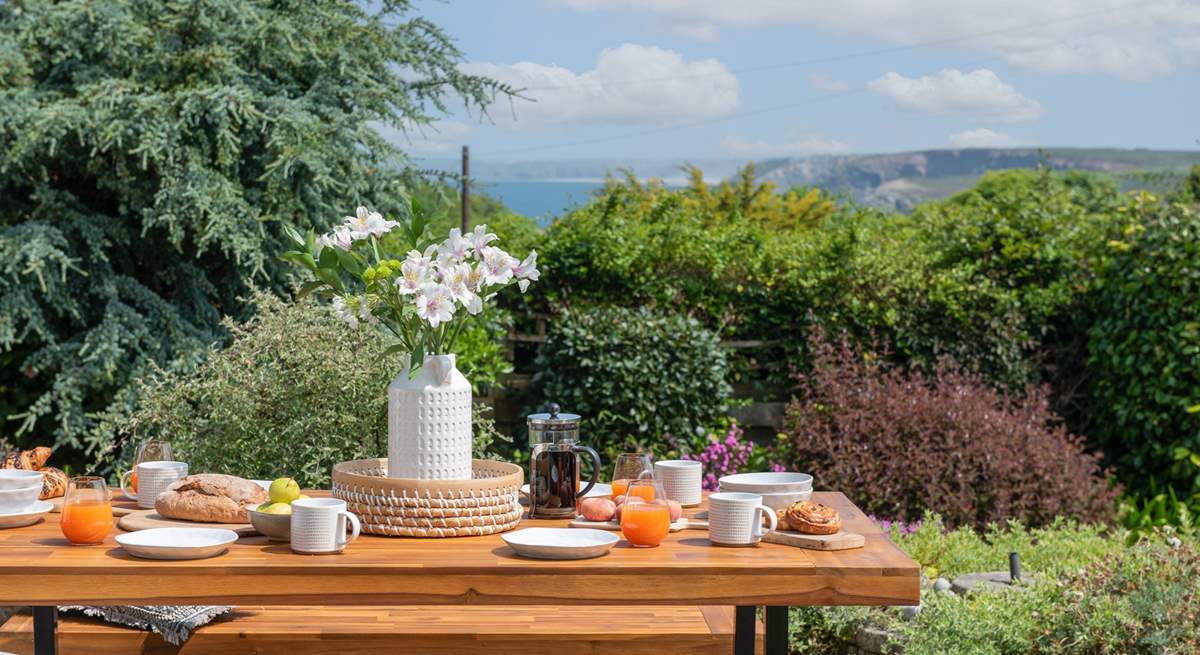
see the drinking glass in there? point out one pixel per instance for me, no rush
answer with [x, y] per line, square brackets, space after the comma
[629, 467]
[645, 523]
[87, 512]
[150, 451]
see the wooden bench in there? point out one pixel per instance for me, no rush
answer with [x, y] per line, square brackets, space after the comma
[474, 630]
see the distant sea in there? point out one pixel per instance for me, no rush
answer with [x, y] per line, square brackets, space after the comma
[542, 200]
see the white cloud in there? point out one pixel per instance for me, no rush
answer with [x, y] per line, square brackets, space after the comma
[813, 144]
[980, 138]
[826, 84]
[953, 92]
[1117, 37]
[631, 84]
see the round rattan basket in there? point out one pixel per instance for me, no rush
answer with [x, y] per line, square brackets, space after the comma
[485, 504]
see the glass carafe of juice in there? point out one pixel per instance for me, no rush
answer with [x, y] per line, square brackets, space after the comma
[87, 516]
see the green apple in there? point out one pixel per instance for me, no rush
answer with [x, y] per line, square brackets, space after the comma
[284, 490]
[277, 508]
[263, 507]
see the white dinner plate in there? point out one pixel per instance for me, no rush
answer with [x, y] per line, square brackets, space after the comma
[25, 516]
[560, 543]
[177, 543]
[600, 489]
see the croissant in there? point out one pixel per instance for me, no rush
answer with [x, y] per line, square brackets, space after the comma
[29, 460]
[811, 518]
[54, 483]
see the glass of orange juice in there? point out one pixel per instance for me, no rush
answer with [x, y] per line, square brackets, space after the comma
[87, 516]
[630, 466]
[644, 523]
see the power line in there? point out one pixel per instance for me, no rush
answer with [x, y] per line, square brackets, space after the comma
[837, 58]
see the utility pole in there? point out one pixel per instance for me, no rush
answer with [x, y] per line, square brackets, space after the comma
[466, 189]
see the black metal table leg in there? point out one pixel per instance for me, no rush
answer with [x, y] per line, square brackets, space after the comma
[743, 630]
[45, 630]
[777, 630]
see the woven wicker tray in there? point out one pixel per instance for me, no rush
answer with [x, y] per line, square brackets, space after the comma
[485, 504]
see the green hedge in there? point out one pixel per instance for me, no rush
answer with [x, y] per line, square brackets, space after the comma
[636, 375]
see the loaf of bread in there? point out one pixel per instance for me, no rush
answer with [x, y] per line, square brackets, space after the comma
[210, 498]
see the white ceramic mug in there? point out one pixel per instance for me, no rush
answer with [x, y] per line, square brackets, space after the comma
[681, 480]
[153, 479]
[319, 526]
[735, 519]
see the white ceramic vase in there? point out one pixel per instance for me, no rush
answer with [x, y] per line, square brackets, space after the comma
[429, 422]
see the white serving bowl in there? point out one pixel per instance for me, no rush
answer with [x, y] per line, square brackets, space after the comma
[778, 500]
[19, 479]
[767, 483]
[14, 500]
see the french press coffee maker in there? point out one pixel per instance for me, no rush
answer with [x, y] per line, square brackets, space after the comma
[554, 464]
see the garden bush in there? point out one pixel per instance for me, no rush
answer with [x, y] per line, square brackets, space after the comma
[635, 375]
[900, 442]
[1090, 592]
[1145, 349]
[149, 153]
[295, 392]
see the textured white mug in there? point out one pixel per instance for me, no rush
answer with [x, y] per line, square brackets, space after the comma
[153, 479]
[319, 526]
[681, 480]
[735, 519]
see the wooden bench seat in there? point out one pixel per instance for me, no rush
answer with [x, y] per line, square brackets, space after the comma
[474, 630]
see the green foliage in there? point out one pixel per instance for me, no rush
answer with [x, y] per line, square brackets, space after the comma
[636, 376]
[1089, 592]
[295, 392]
[149, 153]
[1145, 349]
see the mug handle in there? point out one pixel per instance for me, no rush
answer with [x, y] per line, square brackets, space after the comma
[595, 469]
[770, 514]
[355, 528]
[125, 490]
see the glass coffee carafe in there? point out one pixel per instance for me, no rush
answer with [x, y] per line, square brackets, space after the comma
[554, 465]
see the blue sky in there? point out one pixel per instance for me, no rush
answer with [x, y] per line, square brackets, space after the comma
[677, 79]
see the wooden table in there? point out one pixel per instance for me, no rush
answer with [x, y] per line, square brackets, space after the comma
[39, 568]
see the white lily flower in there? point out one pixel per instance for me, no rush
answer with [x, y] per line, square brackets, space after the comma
[339, 237]
[435, 304]
[527, 271]
[474, 303]
[455, 248]
[480, 238]
[343, 311]
[475, 278]
[497, 266]
[366, 223]
[413, 276]
[456, 280]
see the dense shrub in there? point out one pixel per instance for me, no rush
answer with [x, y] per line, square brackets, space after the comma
[899, 443]
[1145, 349]
[635, 375]
[1091, 592]
[149, 153]
[294, 393]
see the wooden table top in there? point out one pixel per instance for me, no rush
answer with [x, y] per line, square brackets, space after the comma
[38, 566]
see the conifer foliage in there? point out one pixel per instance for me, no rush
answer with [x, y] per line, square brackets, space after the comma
[150, 153]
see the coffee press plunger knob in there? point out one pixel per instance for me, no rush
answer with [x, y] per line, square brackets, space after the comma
[554, 409]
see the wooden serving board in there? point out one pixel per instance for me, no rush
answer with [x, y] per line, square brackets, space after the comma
[681, 524]
[146, 519]
[837, 541]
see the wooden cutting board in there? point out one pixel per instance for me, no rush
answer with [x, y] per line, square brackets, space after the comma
[146, 519]
[837, 541]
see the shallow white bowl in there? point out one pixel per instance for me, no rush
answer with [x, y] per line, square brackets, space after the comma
[177, 543]
[560, 543]
[767, 483]
[782, 500]
[19, 479]
[15, 500]
[276, 527]
[27, 516]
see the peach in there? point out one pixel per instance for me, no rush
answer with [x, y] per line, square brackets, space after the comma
[597, 509]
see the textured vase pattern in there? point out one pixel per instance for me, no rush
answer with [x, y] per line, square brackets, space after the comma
[429, 423]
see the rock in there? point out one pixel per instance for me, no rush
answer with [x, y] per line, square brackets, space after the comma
[871, 639]
[942, 585]
[910, 612]
[989, 581]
